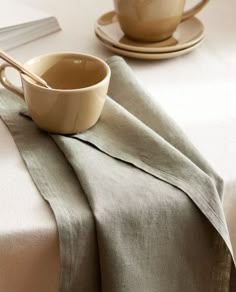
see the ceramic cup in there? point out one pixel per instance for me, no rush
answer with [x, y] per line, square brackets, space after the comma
[152, 20]
[80, 83]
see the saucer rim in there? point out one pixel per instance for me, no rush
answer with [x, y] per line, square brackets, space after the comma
[141, 49]
[148, 55]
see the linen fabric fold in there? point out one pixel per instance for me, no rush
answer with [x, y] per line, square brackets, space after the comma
[137, 207]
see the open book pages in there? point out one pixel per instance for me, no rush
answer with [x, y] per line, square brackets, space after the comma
[20, 24]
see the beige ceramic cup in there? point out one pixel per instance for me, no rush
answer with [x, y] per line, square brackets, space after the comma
[152, 20]
[80, 84]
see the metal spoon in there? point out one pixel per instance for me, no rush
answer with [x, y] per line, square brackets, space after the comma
[18, 66]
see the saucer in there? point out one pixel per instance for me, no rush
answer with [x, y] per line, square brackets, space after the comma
[148, 55]
[187, 34]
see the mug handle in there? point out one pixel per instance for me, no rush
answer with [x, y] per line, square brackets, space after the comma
[6, 83]
[191, 12]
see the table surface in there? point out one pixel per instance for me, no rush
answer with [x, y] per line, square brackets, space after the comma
[198, 90]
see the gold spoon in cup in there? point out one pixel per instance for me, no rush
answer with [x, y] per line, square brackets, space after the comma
[18, 66]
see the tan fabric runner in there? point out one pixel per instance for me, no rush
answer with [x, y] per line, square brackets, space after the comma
[137, 207]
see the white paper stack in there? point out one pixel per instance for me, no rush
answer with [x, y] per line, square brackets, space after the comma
[20, 24]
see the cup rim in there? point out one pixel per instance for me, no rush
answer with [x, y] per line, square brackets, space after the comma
[104, 80]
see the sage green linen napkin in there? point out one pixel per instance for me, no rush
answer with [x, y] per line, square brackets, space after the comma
[58, 184]
[141, 210]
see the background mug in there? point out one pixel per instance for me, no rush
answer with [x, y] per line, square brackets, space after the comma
[152, 20]
[79, 86]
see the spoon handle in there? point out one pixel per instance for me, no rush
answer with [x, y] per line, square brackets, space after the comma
[18, 66]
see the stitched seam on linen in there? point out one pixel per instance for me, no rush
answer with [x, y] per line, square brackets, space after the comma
[184, 185]
[217, 275]
[140, 167]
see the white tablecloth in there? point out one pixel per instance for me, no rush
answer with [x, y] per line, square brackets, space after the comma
[187, 87]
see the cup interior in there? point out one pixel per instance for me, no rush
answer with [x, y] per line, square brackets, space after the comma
[69, 70]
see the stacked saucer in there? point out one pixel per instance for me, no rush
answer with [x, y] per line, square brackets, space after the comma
[188, 36]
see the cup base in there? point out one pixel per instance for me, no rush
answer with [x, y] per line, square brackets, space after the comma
[149, 40]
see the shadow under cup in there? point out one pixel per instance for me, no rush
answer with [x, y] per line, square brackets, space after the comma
[79, 85]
